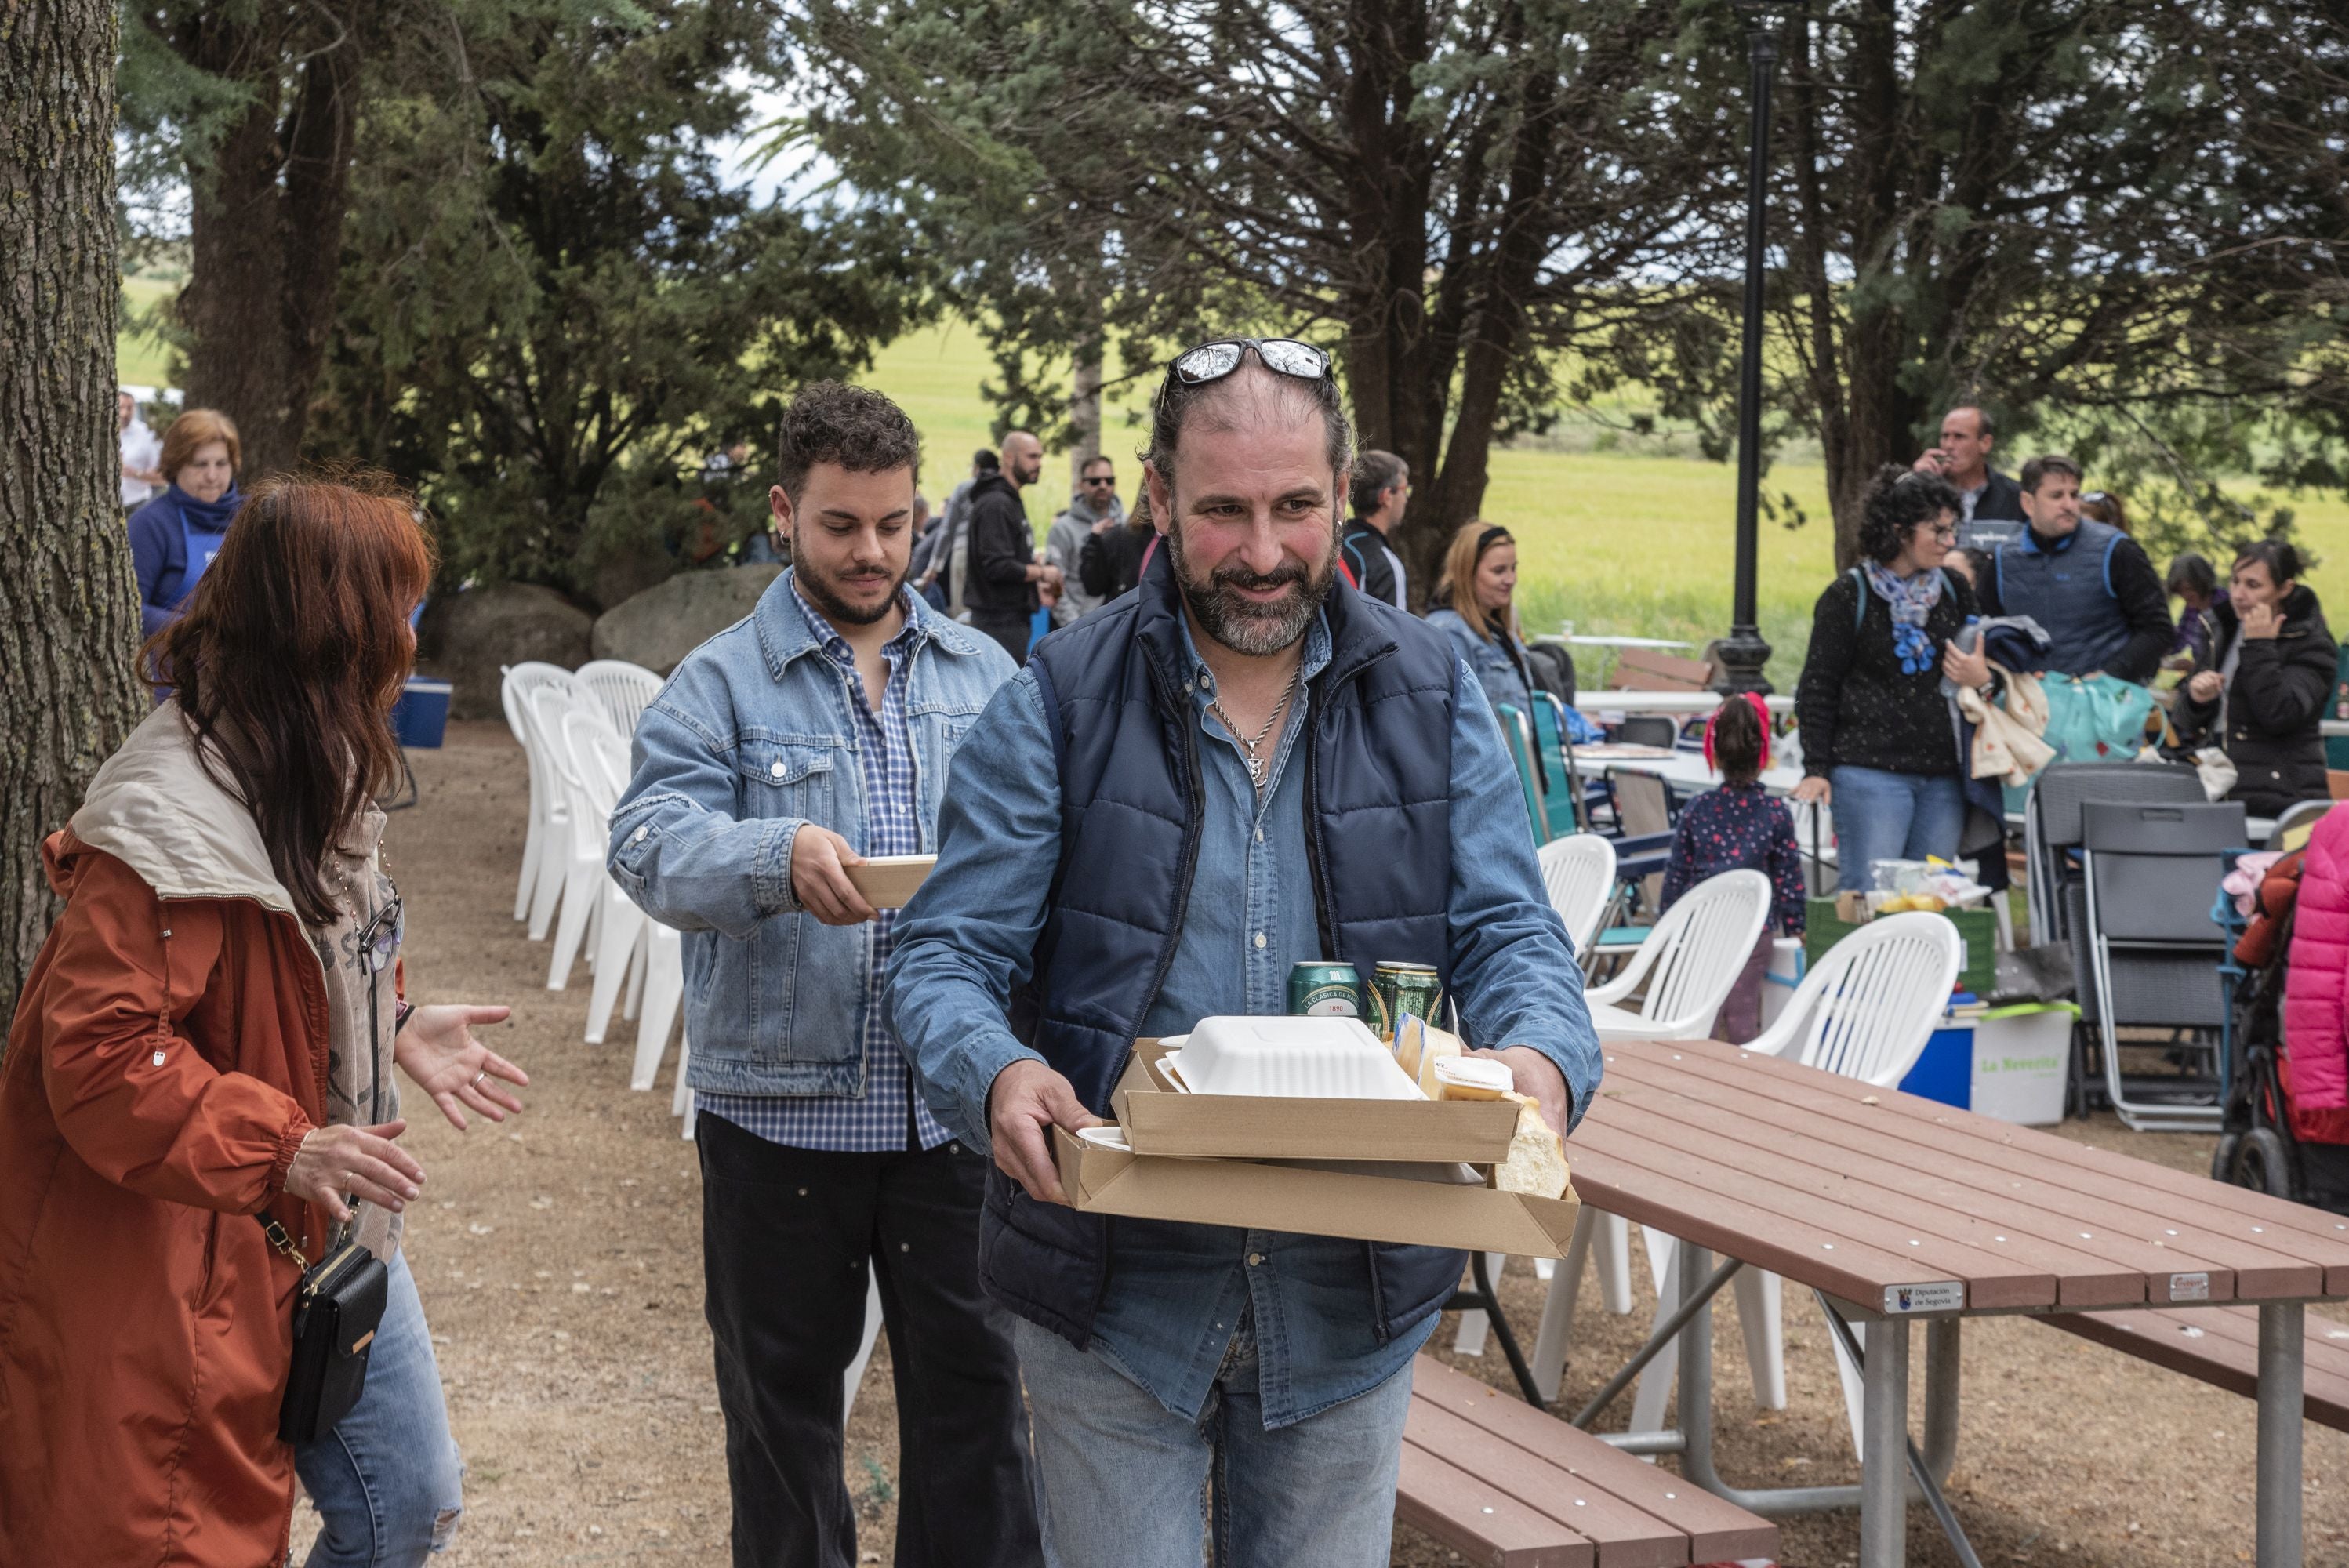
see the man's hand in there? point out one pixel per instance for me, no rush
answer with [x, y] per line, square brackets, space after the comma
[1932, 461]
[2261, 622]
[2205, 686]
[1815, 791]
[437, 1051]
[820, 862]
[1103, 524]
[1024, 1103]
[1537, 1076]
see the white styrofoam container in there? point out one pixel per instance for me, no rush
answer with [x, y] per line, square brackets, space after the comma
[2023, 1056]
[1306, 1059]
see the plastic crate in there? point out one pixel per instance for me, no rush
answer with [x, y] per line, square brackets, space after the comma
[1977, 933]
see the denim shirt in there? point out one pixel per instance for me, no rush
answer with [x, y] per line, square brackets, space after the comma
[752, 739]
[1177, 1292]
[1499, 675]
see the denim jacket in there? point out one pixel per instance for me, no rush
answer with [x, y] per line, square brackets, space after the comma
[752, 739]
[1501, 676]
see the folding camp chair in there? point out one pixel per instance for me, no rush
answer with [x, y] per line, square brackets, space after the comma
[2152, 953]
[2051, 826]
[1517, 732]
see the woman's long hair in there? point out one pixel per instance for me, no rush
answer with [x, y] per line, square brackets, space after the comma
[1455, 587]
[292, 649]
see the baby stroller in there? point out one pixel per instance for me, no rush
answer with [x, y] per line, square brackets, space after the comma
[2257, 1145]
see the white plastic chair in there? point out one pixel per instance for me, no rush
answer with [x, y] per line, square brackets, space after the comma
[602, 758]
[1689, 961]
[865, 1344]
[544, 704]
[546, 805]
[623, 690]
[560, 717]
[1579, 875]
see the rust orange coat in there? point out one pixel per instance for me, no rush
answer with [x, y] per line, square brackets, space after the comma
[166, 1056]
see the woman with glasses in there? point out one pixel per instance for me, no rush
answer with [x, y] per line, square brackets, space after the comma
[203, 1049]
[1878, 746]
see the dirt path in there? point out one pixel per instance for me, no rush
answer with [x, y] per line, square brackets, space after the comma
[559, 1266]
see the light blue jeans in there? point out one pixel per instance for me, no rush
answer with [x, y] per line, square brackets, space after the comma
[1881, 815]
[387, 1482]
[1125, 1481]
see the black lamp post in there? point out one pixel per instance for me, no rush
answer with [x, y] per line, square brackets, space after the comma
[1742, 653]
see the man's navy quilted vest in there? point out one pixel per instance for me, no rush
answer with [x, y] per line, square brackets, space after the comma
[2070, 593]
[1378, 756]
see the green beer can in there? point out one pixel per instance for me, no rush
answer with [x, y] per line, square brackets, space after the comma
[1400, 991]
[1317, 990]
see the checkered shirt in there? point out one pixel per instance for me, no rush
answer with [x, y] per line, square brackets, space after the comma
[878, 1122]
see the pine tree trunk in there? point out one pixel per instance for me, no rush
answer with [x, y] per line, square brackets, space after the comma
[68, 612]
[265, 239]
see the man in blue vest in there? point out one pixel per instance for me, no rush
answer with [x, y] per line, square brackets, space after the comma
[2087, 584]
[1244, 764]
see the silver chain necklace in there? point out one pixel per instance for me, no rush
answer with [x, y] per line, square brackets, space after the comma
[1256, 764]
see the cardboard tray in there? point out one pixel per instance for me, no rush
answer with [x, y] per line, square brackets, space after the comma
[1159, 1121]
[1101, 1181]
[889, 882]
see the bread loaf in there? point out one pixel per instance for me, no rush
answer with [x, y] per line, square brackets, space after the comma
[1536, 1160]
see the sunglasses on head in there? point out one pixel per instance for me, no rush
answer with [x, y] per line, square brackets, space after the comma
[1214, 361]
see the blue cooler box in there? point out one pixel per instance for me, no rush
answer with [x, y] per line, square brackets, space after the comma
[1946, 1072]
[421, 717]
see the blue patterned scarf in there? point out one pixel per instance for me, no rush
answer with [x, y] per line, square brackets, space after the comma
[1912, 599]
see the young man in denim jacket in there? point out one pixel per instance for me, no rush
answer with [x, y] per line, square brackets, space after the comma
[782, 752]
[1243, 764]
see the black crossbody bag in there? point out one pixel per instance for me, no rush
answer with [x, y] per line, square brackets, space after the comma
[335, 1316]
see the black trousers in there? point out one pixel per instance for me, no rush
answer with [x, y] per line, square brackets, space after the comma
[786, 1237]
[1012, 628]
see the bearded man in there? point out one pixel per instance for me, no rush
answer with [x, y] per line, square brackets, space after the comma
[1243, 765]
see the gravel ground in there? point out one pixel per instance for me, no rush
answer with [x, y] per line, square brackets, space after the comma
[559, 1259]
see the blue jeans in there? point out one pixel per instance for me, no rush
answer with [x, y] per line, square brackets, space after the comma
[386, 1480]
[1125, 1482]
[1881, 815]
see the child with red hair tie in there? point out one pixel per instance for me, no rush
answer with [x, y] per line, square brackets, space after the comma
[1740, 827]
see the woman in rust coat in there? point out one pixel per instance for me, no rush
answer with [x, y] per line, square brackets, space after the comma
[206, 1039]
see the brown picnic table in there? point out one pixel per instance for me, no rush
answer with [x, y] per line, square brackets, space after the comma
[1895, 1209]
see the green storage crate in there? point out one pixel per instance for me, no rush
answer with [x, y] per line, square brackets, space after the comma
[1977, 931]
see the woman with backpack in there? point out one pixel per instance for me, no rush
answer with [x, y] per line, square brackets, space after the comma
[1879, 747]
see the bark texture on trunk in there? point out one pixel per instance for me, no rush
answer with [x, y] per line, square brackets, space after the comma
[68, 613]
[265, 237]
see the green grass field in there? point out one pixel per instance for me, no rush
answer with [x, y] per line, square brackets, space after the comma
[1614, 542]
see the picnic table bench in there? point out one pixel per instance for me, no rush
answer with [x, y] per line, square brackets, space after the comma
[1895, 1209]
[2221, 1347]
[1505, 1485]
